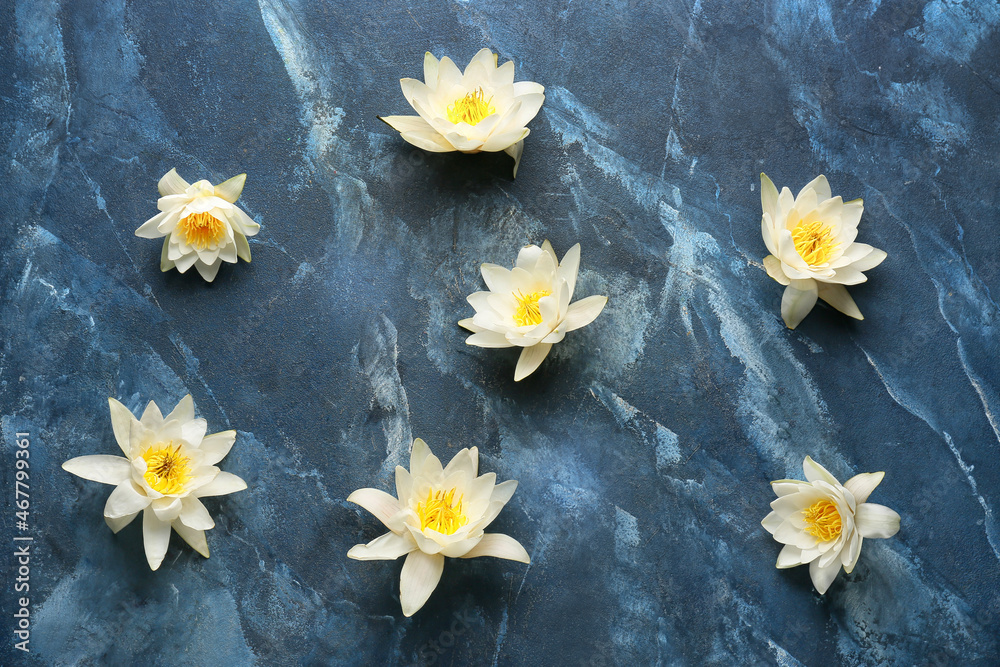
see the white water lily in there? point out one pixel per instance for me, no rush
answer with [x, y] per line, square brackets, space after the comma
[823, 522]
[437, 512]
[168, 465]
[482, 109]
[202, 224]
[813, 253]
[529, 306]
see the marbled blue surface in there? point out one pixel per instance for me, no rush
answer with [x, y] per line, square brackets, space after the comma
[644, 444]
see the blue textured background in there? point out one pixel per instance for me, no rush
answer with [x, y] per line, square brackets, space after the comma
[644, 444]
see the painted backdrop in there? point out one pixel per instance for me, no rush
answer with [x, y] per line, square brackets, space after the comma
[644, 444]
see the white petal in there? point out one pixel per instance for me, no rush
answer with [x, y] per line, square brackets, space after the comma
[838, 297]
[430, 140]
[873, 520]
[150, 228]
[499, 545]
[527, 87]
[216, 446]
[155, 538]
[530, 359]
[501, 141]
[515, 151]
[118, 523]
[784, 487]
[224, 483]
[230, 190]
[448, 74]
[790, 556]
[242, 224]
[569, 267]
[167, 509]
[184, 261]
[242, 247]
[430, 70]
[404, 483]
[379, 503]
[385, 547]
[873, 259]
[464, 462]
[820, 186]
[768, 233]
[228, 253]
[497, 278]
[165, 262]
[773, 267]
[814, 471]
[772, 522]
[419, 453]
[195, 538]
[822, 577]
[172, 184]
[418, 579]
[861, 486]
[520, 113]
[151, 416]
[583, 312]
[100, 468]
[798, 299]
[848, 275]
[183, 411]
[173, 202]
[122, 423]
[208, 271]
[768, 197]
[849, 556]
[195, 515]
[490, 339]
[193, 431]
[125, 500]
[407, 123]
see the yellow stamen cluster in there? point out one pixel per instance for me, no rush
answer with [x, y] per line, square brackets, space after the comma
[167, 471]
[471, 109]
[814, 242]
[823, 520]
[201, 230]
[441, 512]
[527, 311]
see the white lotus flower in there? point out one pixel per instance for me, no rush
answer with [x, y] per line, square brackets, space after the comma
[811, 241]
[529, 306]
[202, 225]
[480, 110]
[823, 523]
[168, 465]
[437, 512]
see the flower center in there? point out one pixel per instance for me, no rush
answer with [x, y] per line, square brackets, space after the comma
[471, 109]
[823, 520]
[441, 512]
[167, 471]
[814, 242]
[528, 312]
[201, 230]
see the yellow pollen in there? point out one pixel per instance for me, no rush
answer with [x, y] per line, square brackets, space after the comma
[201, 230]
[441, 512]
[166, 470]
[823, 520]
[528, 312]
[814, 242]
[471, 109]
